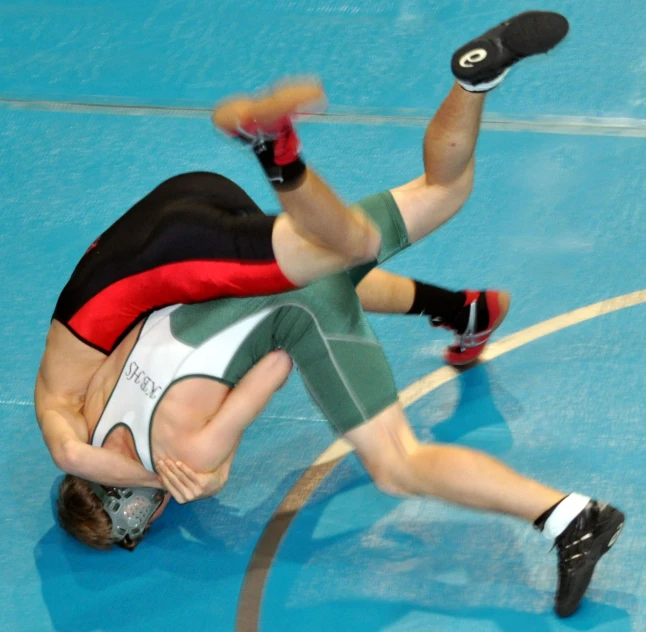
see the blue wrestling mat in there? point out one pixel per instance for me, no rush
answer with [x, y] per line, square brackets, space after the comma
[99, 102]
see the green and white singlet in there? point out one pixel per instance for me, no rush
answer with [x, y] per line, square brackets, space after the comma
[322, 327]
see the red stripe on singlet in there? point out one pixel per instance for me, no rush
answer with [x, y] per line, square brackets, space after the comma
[104, 318]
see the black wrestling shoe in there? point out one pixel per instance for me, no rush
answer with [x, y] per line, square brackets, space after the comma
[589, 536]
[483, 63]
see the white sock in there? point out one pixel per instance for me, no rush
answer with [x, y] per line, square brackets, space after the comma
[566, 511]
[485, 87]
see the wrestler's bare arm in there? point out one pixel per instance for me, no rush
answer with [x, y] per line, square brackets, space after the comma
[241, 408]
[65, 372]
[213, 449]
[65, 433]
[76, 457]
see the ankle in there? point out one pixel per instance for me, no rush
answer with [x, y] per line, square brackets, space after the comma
[438, 303]
[482, 88]
[556, 519]
[280, 157]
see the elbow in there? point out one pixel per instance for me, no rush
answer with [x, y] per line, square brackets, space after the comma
[66, 456]
[223, 477]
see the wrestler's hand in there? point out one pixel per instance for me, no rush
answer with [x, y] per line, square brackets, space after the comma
[185, 485]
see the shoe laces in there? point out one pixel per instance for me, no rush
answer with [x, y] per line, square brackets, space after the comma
[575, 543]
[470, 337]
[257, 140]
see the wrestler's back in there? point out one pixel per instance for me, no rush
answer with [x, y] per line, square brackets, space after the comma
[184, 410]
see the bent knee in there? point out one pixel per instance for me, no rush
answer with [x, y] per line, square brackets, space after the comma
[363, 239]
[368, 250]
[461, 188]
[393, 477]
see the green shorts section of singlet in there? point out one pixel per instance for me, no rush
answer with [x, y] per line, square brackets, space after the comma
[384, 212]
[322, 327]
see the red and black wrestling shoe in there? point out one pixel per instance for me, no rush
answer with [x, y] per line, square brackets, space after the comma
[482, 314]
[278, 137]
[265, 123]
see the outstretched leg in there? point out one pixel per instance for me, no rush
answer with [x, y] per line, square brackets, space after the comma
[582, 529]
